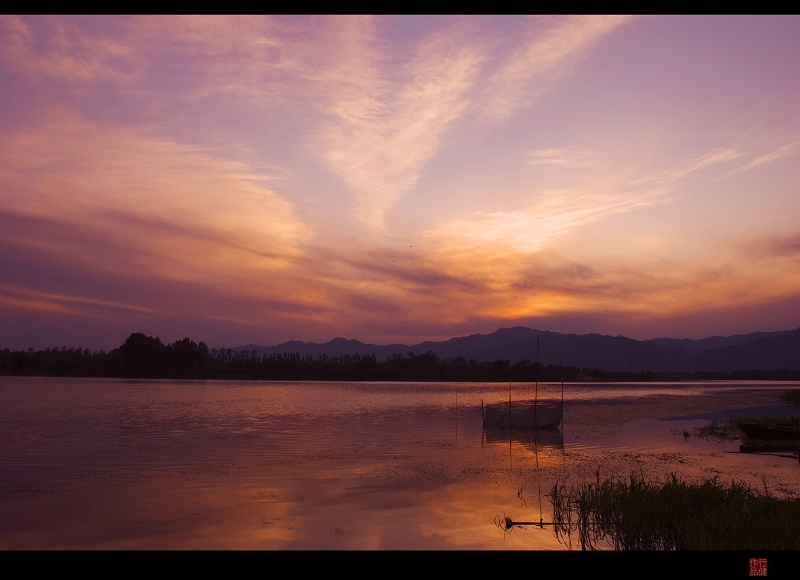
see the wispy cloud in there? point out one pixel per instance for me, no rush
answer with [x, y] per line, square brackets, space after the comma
[184, 211]
[381, 124]
[58, 48]
[134, 182]
[571, 158]
[670, 176]
[382, 130]
[529, 229]
[498, 246]
[258, 61]
[385, 129]
[782, 151]
[28, 298]
[542, 57]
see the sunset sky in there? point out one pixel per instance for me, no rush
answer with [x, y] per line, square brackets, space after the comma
[396, 179]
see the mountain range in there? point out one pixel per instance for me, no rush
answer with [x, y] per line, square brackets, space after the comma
[754, 351]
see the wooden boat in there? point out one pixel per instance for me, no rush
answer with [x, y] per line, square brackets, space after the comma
[770, 432]
[770, 446]
[523, 415]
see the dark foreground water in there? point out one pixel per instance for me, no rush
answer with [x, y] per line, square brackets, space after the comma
[103, 463]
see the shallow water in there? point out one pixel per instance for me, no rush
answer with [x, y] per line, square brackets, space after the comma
[104, 463]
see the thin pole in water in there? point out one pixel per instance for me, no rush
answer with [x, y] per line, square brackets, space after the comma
[510, 458]
[536, 392]
[483, 424]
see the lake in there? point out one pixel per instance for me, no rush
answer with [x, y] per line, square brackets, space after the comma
[161, 464]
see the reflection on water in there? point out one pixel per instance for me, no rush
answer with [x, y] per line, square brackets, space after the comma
[530, 438]
[103, 463]
[533, 440]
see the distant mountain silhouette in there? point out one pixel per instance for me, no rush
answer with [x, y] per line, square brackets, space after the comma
[717, 341]
[775, 352]
[758, 350]
[616, 353]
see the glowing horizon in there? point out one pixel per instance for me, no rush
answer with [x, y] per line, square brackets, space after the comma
[397, 179]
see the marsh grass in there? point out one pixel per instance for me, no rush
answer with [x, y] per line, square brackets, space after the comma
[634, 514]
[729, 430]
[719, 431]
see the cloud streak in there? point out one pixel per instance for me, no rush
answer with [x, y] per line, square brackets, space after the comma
[383, 131]
[543, 56]
[558, 212]
[181, 211]
[780, 152]
[669, 177]
[59, 49]
[570, 158]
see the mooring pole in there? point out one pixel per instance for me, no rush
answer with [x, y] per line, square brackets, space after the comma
[509, 404]
[456, 419]
[536, 392]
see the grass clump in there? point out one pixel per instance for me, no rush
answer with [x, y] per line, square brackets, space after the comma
[633, 514]
[729, 430]
[719, 430]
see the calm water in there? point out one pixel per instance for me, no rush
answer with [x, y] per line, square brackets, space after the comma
[102, 463]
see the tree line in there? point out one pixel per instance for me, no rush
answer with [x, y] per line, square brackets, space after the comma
[143, 356]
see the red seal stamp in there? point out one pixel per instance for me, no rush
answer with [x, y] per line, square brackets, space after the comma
[758, 566]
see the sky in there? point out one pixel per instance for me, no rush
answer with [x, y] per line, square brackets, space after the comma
[395, 179]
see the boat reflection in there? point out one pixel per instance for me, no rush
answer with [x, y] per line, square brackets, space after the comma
[532, 424]
[532, 439]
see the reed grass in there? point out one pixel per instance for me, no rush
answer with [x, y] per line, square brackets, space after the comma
[729, 430]
[719, 430]
[634, 514]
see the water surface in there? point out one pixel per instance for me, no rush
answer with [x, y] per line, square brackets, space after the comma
[106, 463]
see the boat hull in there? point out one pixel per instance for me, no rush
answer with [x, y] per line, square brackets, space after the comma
[770, 432]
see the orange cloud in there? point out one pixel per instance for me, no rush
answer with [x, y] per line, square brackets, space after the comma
[187, 213]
